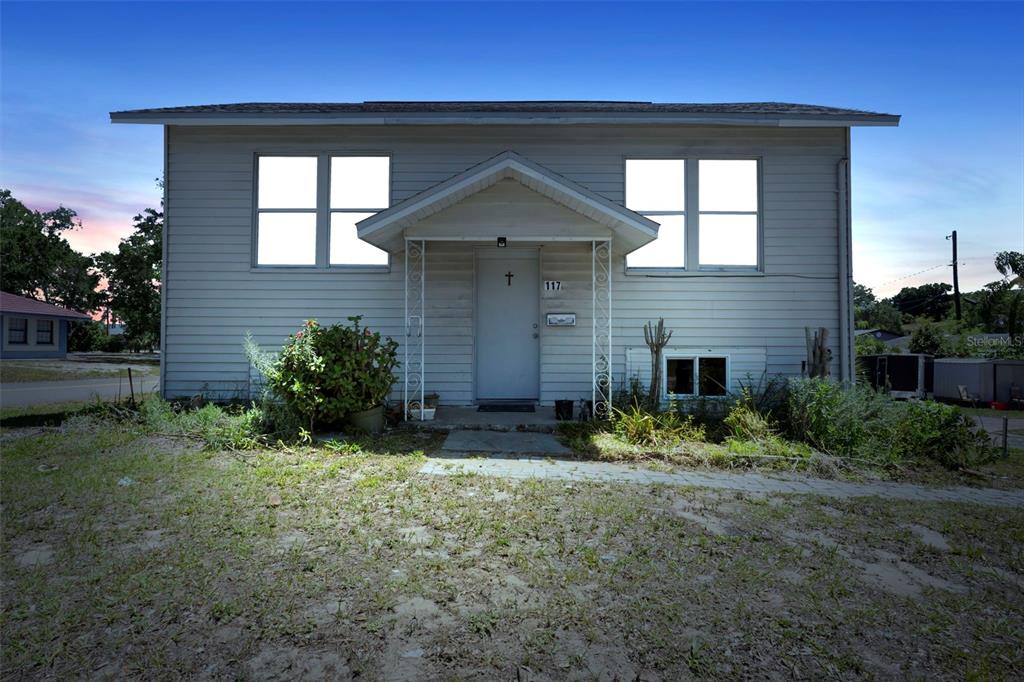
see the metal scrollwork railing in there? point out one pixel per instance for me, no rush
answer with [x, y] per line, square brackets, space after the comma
[601, 267]
[415, 286]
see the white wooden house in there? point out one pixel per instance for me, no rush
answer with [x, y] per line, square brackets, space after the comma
[515, 249]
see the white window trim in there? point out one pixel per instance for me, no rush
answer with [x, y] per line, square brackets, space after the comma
[696, 357]
[653, 215]
[692, 215]
[331, 211]
[323, 211]
[725, 267]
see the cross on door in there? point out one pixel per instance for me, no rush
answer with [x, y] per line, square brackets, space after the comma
[509, 276]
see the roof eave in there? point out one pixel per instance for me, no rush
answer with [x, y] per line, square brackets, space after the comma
[383, 229]
[502, 118]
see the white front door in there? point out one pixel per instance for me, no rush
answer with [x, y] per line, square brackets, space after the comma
[507, 324]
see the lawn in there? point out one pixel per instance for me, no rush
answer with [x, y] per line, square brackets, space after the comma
[129, 554]
[988, 412]
[20, 371]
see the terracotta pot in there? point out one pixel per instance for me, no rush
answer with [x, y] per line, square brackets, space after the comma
[371, 421]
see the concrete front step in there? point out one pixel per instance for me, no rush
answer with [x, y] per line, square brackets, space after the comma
[469, 419]
[507, 442]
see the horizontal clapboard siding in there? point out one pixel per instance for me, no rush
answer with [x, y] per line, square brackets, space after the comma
[214, 296]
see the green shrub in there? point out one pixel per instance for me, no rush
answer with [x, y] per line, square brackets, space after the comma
[751, 433]
[219, 428]
[857, 422]
[746, 423]
[327, 373]
[637, 426]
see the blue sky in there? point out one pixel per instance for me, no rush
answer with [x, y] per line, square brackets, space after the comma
[952, 70]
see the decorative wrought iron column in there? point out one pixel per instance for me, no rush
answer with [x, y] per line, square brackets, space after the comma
[601, 269]
[415, 289]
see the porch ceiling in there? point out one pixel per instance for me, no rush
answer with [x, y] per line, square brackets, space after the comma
[629, 230]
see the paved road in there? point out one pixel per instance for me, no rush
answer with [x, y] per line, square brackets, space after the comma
[44, 392]
[516, 466]
[994, 426]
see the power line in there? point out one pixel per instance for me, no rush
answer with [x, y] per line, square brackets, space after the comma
[913, 274]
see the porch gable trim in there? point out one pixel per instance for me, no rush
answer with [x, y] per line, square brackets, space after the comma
[384, 229]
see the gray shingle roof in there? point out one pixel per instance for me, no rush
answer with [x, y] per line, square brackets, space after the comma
[739, 110]
[14, 304]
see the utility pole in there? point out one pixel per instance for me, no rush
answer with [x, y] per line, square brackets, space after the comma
[956, 278]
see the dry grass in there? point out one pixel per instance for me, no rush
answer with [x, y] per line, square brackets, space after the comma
[130, 556]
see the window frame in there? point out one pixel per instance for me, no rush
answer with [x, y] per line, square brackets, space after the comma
[759, 231]
[51, 332]
[322, 211]
[653, 215]
[10, 328]
[692, 213]
[364, 267]
[696, 357]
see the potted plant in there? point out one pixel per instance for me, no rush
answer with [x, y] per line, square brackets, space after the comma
[428, 409]
[337, 373]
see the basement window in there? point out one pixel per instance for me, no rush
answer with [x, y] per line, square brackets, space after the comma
[44, 332]
[696, 376]
[728, 216]
[360, 187]
[17, 331]
[286, 214]
[656, 188]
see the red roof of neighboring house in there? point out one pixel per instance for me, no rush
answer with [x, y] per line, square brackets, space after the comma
[12, 303]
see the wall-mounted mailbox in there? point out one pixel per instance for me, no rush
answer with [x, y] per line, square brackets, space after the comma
[561, 319]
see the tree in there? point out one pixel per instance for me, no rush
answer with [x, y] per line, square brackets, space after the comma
[86, 336]
[988, 307]
[866, 344]
[863, 296]
[133, 280]
[926, 339]
[38, 261]
[1010, 265]
[928, 300]
[870, 313]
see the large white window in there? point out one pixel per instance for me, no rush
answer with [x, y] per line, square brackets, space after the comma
[360, 186]
[656, 188]
[713, 226]
[307, 208]
[728, 213]
[286, 210]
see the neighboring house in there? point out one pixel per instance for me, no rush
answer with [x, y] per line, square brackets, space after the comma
[880, 334]
[515, 249]
[34, 329]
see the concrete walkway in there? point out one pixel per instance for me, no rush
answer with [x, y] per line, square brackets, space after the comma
[757, 484]
[527, 442]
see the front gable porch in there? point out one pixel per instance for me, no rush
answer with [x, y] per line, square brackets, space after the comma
[505, 212]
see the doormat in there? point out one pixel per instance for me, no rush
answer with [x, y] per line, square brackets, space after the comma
[507, 407]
